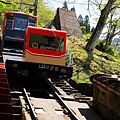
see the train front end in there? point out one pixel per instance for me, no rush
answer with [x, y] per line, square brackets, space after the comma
[46, 46]
[13, 32]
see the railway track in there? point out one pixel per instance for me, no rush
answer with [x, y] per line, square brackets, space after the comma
[59, 101]
[27, 103]
[35, 98]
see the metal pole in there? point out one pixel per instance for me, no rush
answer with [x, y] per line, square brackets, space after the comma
[35, 7]
[20, 5]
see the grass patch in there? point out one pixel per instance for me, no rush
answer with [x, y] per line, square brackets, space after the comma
[90, 63]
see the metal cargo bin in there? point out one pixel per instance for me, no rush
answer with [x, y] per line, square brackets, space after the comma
[106, 95]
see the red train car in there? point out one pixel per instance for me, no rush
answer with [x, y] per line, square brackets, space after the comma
[46, 46]
[13, 29]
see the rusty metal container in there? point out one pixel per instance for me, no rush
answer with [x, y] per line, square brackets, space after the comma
[106, 95]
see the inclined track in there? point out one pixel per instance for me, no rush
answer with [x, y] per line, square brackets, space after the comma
[57, 98]
[57, 106]
[60, 102]
[72, 114]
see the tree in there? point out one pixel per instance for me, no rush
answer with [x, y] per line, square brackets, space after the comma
[73, 9]
[84, 24]
[113, 29]
[80, 20]
[100, 25]
[81, 23]
[87, 23]
[92, 29]
[4, 6]
[45, 14]
[65, 5]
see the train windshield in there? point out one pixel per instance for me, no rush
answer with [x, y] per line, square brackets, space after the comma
[46, 42]
[19, 21]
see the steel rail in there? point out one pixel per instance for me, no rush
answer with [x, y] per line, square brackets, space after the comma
[74, 117]
[32, 111]
[33, 114]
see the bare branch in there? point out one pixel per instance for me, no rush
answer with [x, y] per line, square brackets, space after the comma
[115, 7]
[88, 7]
[116, 33]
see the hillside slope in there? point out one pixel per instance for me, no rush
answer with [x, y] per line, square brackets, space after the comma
[90, 63]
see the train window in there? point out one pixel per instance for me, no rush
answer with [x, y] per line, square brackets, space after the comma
[32, 21]
[20, 24]
[9, 21]
[47, 42]
[60, 46]
[9, 24]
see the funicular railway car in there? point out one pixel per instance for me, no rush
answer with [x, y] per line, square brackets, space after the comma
[44, 55]
[45, 46]
[13, 30]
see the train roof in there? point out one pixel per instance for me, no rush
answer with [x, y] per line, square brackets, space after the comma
[15, 12]
[36, 29]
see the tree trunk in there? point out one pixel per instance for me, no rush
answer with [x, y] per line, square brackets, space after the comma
[99, 27]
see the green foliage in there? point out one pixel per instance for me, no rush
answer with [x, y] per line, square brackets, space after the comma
[84, 24]
[113, 28]
[80, 20]
[109, 50]
[87, 23]
[2, 7]
[101, 47]
[88, 63]
[117, 53]
[87, 36]
[113, 21]
[45, 14]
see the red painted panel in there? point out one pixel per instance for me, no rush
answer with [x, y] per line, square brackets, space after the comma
[6, 107]
[2, 71]
[48, 32]
[4, 91]
[2, 66]
[5, 98]
[4, 85]
[6, 116]
[3, 76]
[3, 80]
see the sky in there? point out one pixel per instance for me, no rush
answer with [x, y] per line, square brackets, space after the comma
[81, 7]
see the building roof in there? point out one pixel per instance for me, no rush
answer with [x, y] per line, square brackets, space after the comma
[66, 20]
